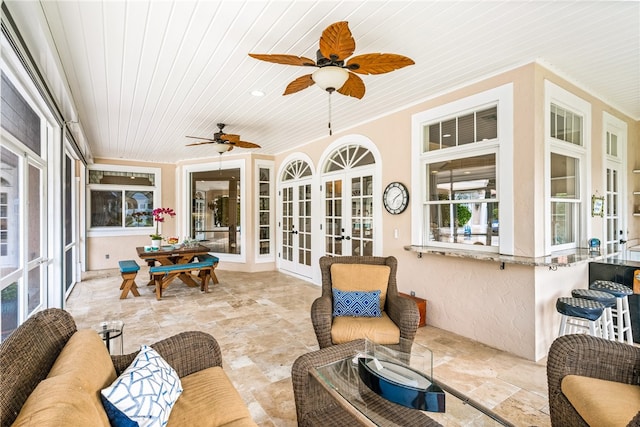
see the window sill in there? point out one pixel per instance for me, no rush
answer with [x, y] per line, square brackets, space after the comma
[566, 258]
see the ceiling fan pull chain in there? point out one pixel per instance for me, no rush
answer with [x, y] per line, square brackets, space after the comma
[330, 132]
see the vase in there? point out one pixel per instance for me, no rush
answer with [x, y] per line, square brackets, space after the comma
[155, 243]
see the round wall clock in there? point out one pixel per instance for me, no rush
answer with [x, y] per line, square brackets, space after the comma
[395, 198]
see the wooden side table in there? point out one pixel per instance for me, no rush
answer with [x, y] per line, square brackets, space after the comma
[422, 307]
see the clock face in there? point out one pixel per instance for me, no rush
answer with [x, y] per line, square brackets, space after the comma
[395, 198]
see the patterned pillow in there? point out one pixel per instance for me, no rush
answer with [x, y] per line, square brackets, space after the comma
[145, 392]
[356, 303]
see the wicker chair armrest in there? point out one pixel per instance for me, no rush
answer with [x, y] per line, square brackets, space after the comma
[186, 352]
[404, 313]
[322, 318]
[309, 396]
[581, 354]
[27, 355]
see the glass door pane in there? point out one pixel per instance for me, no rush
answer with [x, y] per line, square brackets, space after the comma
[333, 227]
[362, 215]
[304, 225]
[216, 210]
[10, 216]
[612, 210]
[35, 218]
[287, 224]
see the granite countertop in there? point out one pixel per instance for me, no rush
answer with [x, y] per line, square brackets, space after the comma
[559, 259]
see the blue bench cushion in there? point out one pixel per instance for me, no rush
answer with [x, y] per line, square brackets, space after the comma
[181, 267]
[128, 266]
[207, 257]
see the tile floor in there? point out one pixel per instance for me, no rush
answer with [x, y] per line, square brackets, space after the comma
[262, 323]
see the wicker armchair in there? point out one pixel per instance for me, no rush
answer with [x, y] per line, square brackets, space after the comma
[28, 354]
[585, 355]
[402, 311]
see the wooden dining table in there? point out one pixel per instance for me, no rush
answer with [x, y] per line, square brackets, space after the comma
[169, 255]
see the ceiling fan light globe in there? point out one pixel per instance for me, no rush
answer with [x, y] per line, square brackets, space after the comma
[221, 148]
[330, 78]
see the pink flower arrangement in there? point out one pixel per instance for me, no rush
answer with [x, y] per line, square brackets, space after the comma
[158, 217]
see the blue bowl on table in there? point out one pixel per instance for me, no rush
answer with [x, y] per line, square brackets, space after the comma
[401, 384]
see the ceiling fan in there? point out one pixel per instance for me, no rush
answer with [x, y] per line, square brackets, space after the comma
[333, 74]
[223, 141]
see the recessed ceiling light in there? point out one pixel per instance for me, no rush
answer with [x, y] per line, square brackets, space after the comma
[257, 93]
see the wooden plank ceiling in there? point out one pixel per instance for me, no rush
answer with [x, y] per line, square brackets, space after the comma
[144, 74]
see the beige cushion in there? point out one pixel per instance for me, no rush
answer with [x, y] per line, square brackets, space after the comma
[210, 400]
[70, 396]
[57, 402]
[378, 329]
[361, 277]
[85, 354]
[600, 402]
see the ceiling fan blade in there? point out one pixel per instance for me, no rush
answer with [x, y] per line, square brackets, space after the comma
[201, 143]
[230, 137]
[337, 42]
[284, 59]
[245, 144]
[201, 137]
[354, 86]
[299, 84]
[377, 63]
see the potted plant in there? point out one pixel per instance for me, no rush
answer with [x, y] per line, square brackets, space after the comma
[158, 217]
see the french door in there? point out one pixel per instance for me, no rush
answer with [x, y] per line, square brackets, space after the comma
[295, 227]
[348, 213]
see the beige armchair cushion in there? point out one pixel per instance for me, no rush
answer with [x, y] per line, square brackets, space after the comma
[209, 399]
[378, 329]
[361, 277]
[601, 402]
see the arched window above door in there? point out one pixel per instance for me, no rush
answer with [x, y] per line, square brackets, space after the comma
[347, 157]
[296, 169]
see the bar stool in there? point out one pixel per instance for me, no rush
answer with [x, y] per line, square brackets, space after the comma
[576, 312]
[609, 302]
[621, 312]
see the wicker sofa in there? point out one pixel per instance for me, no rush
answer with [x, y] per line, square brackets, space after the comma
[52, 375]
[576, 366]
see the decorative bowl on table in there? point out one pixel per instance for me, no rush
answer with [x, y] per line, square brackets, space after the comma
[190, 243]
[173, 240]
[400, 384]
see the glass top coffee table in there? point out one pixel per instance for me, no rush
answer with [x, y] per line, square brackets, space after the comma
[343, 381]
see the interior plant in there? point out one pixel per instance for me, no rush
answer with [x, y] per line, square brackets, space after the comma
[158, 217]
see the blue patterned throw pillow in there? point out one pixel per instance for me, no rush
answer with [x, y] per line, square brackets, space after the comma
[356, 303]
[144, 394]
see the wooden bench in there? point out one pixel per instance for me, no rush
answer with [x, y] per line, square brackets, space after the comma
[164, 274]
[129, 269]
[215, 259]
